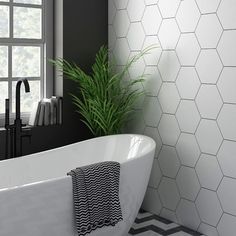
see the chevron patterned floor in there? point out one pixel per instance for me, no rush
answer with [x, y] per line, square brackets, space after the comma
[147, 224]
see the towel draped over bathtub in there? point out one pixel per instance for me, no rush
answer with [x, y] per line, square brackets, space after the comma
[96, 196]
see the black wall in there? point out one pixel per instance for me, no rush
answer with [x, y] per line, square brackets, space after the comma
[85, 30]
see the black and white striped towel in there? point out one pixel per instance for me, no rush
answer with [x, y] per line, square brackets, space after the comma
[96, 196]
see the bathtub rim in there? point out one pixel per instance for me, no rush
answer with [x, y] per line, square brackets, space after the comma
[151, 149]
[153, 146]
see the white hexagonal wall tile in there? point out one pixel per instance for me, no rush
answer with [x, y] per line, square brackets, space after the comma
[136, 36]
[137, 68]
[168, 8]
[152, 111]
[227, 48]
[226, 13]
[188, 116]
[121, 23]
[138, 104]
[226, 226]
[226, 157]
[227, 195]
[209, 31]
[111, 11]
[169, 193]
[152, 201]
[169, 66]
[188, 183]
[169, 98]
[153, 56]
[119, 69]
[168, 214]
[187, 214]
[135, 9]
[188, 83]
[208, 136]
[152, 80]
[227, 84]
[134, 72]
[136, 125]
[187, 16]
[153, 133]
[209, 66]
[121, 4]
[121, 51]
[169, 161]
[209, 101]
[111, 37]
[151, 20]
[169, 34]
[208, 6]
[188, 150]
[226, 121]
[156, 175]
[188, 43]
[209, 69]
[209, 211]
[169, 129]
[207, 230]
[208, 171]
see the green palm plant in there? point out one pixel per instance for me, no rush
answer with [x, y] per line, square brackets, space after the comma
[105, 99]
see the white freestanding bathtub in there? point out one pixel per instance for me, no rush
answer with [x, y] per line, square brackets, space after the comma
[36, 194]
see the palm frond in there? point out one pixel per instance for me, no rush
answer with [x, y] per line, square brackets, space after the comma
[105, 102]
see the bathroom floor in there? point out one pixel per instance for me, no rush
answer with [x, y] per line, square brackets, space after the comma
[147, 224]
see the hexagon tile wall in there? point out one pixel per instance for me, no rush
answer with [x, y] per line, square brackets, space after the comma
[190, 104]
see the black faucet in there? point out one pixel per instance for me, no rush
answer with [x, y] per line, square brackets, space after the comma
[16, 131]
[27, 90]
[19, 133]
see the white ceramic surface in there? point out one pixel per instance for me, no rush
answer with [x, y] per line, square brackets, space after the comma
[197, 53]
[36, 194]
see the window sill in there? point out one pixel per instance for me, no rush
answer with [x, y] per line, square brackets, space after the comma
[24, 118]
[2, 129]
[25, 127]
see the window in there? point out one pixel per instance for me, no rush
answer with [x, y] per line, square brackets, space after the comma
[26, 41]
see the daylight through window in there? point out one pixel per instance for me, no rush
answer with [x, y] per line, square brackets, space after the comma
[22, 50]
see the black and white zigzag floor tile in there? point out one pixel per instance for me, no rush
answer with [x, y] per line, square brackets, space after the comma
[147, 224]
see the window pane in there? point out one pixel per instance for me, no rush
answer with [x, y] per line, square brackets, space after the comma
[27, 23]
[3, 61]
[25, 61]
[4, 21]
[27, 99]
[4, 95]
[38, 2]
[4, 0]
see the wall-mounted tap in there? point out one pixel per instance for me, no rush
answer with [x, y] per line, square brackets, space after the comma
[14, 139]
